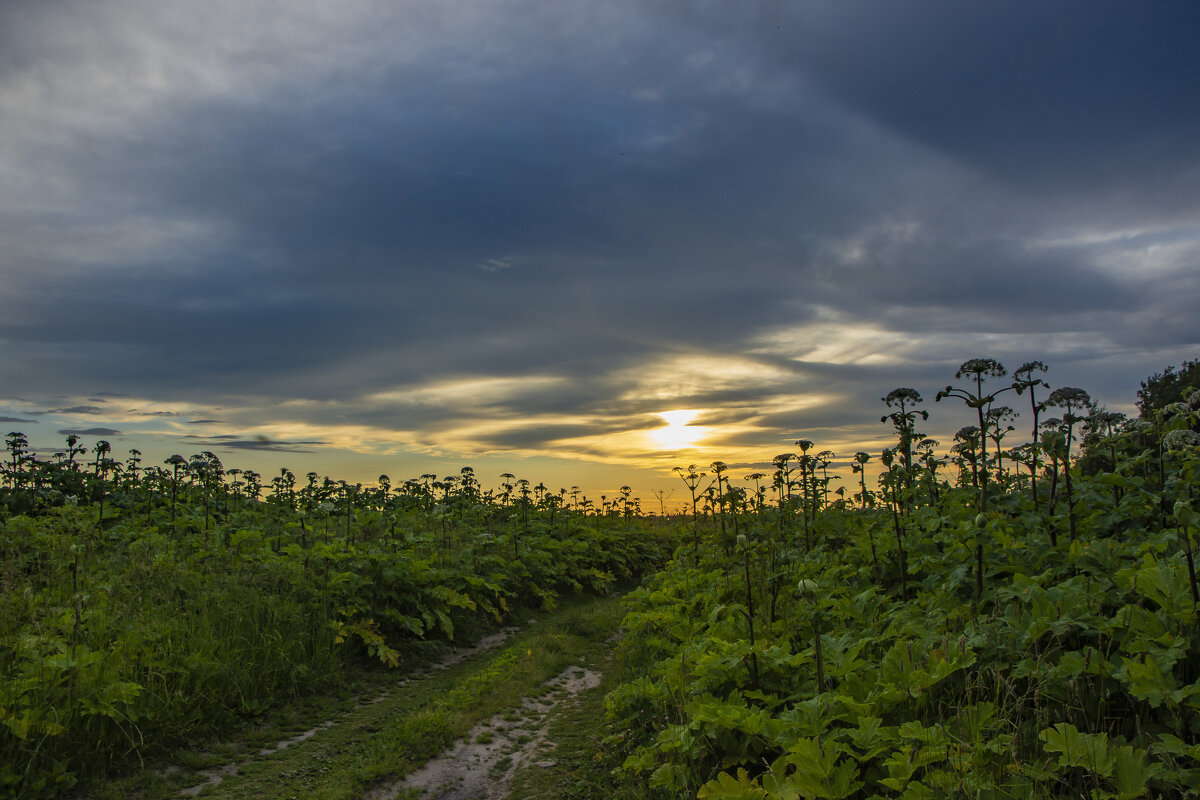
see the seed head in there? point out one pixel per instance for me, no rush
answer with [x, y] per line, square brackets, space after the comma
[981, 367]
[903, 395]
[1069, 397]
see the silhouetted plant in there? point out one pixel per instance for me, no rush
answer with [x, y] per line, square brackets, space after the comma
[133, 465]
[806, 465]
[176, 462]
[904, 420]
[978, 370]
[966, 453]
[18, 449]
[859, 468]
[100, 468]
[691, 479]
[524, 491]
[782, 481]
[1053, 443]
[719, 469]
[929, 460]
[627, 505]
[891, 481]
[760, 493]
[1024, 381]
[253, 484]
[72, 451]
[661, 496]
[998, 418]
[822, 460]
[1071, 400]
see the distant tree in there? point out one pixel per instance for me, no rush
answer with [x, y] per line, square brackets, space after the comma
[1169, 386]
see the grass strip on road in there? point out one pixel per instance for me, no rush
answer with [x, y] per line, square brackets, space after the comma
[379, 742]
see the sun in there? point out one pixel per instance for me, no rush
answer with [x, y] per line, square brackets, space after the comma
[678, 433]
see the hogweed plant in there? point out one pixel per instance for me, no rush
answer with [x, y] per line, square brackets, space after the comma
[1071, 400]
[998, 418]
[979, 370]
[892, 480]
[1078, 678]
[1186, 519]
[904, 420]
[691, 479]
[1024, 381]
[805, 463]
[859, 468]
[965, 451]
[930, 463]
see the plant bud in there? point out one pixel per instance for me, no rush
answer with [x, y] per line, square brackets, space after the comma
[807, 586]
[980, 520]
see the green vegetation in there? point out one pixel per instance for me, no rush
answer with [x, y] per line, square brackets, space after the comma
[146, 610]
[572, 764]
[1169, 386]
[993, 636]
[389, 727]
[1009, 619]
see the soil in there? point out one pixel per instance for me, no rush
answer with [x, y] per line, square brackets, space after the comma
[480, 766]
[214, 777]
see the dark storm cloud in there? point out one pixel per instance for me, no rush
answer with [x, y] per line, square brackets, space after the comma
[18, 419]
[86, 410]
[90, 432]
[245, 214]
[1071, 96]
[274, 447]
[234, 442]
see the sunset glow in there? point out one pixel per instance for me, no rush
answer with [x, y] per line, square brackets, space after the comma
[679, 433]
[580, 242]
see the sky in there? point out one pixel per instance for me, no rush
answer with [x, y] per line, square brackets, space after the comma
[581, 242]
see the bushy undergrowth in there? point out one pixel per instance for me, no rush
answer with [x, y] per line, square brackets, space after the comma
[151, 623]
[931, 643]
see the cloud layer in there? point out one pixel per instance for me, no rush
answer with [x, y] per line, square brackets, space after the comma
[526, 228]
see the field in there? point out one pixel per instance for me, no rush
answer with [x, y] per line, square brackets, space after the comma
[995, 621]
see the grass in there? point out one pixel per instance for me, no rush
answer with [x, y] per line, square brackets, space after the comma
[373, 743]
[574, 744]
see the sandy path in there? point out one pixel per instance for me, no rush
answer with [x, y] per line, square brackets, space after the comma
[480, 766]
[211, 778]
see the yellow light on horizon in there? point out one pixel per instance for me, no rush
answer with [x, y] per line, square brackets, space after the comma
[678, 434]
